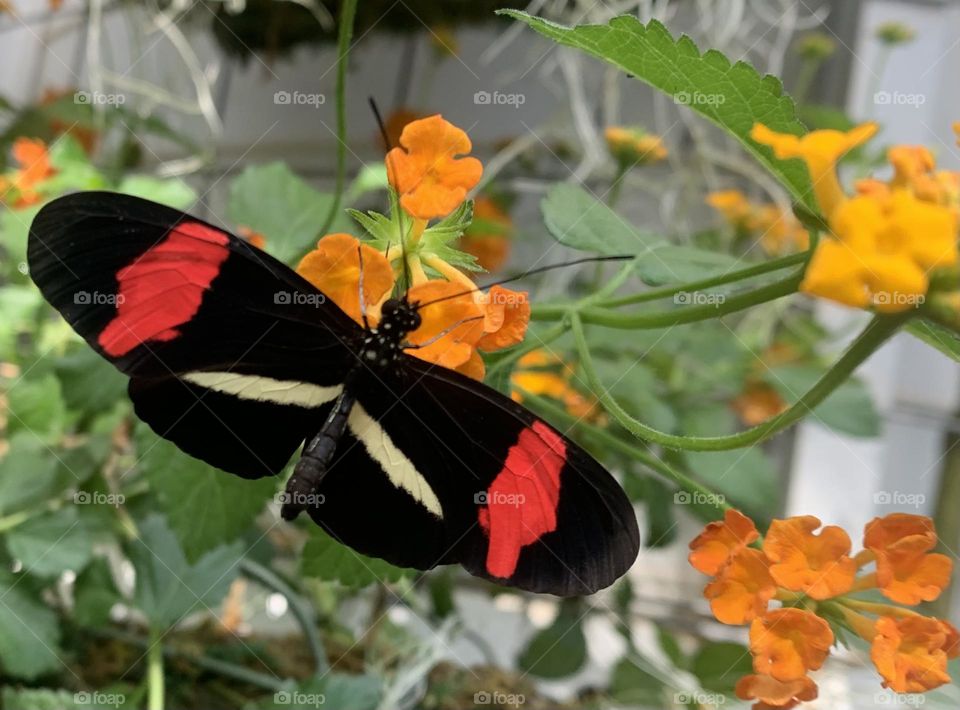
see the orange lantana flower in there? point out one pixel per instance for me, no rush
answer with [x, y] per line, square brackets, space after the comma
[772, 693]
[906, 572]
[506, 315]
[425, 170]
[334, 268]
[720, 541]
[911, 653]
[541, 373]
[757, 403]
[802, 561]
[786, 643]
[450, 329]
[743, 588]
[34, 161]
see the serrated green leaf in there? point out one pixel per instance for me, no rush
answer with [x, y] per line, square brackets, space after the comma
[848, 409]
[560, 649]
[29, 632]
[670, 264]
[937, 336]
[37, 406]
[205, 507]
[576, 218]
[720, 665]
[51, 543]
[325, 558]
[90, 384]
[734, 96]
[168, 587]
[28, 474]
[271, 200]
[94, 594]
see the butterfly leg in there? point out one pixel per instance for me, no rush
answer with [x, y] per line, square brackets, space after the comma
[315, 460]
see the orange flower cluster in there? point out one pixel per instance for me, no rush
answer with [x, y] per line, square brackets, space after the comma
[779, 232]
[459, 321]
[810, 571]
[542, 373]
[18, 187]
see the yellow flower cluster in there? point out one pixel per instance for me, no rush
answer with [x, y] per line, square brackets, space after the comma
[885, 240]
[779, 232]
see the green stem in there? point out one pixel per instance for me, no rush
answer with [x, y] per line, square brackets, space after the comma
[694, 286]
[805, 76]
[528, 346]
[872, 337]
[348, 11]
[298, 607]
[674, 316]
[605, 438]
[155, 683]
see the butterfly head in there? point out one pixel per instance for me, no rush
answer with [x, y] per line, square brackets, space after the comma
[398, 317]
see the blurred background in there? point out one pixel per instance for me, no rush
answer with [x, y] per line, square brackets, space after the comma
[223, 107]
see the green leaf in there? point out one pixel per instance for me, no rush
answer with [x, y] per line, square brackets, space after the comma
[37, 406]
[90, 384]
[734, 96]
[167, 191]
[560, 649]
[632, 685]
[848, 409]
[370, 178]
[51, 543]
[205, 507]
[94, 594]
[670, 264]
[14, 228]
[168, 587]
[271, 200]
[29, 632]
[576, 218]
[325, 558]
[937, 336]
[19, 306]
[29, 474]
[635, 386]
[111, 698]
[720, 665]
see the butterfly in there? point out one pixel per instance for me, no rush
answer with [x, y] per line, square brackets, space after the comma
[241, 362]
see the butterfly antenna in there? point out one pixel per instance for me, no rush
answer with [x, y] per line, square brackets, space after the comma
[394, 200]
[532, 272]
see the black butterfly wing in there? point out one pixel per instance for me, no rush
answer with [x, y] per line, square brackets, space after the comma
[232, 355]
[440, 469]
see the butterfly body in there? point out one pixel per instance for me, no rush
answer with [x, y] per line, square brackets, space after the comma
[241, 363]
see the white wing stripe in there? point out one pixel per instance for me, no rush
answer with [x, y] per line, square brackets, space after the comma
[398, 468]
[265, 389]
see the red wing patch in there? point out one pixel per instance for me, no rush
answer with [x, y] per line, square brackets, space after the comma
[163, 288]
[522, 500]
